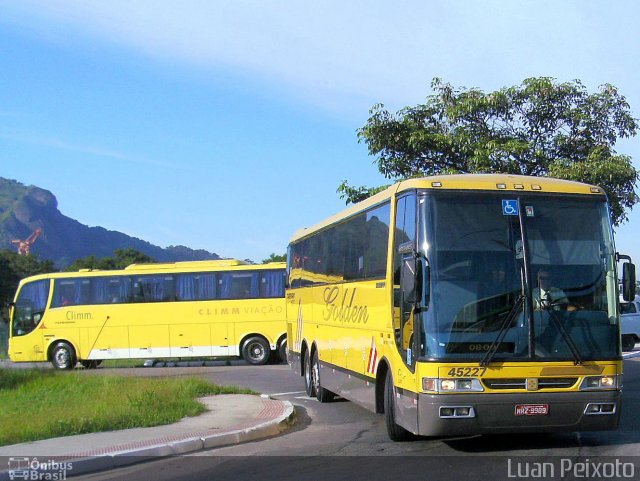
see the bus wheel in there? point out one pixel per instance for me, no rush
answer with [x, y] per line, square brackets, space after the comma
[90, 364]
[282, 351]
[63, 356]
[308, 381]
[256, 351]
[323, 395]
[396, 433]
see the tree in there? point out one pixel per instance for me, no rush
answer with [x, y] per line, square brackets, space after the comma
[122, 258]
[126, 257]
[275, 258]
[14, 267]
[540, 128]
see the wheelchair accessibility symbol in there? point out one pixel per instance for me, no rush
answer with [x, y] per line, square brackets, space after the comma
[510, 207]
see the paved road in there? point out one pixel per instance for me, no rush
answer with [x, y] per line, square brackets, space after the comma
[343, 441]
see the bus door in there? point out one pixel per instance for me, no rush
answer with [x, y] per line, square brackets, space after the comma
[404, 277]
[404, 306]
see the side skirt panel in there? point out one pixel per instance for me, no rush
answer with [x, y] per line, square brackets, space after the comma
[354, 387]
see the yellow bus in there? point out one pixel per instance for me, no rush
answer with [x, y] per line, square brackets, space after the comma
[172, 310]
[463, 304]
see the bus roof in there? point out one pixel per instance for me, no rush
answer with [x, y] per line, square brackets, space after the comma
[481, 182]
[187, 264]
[165, 267]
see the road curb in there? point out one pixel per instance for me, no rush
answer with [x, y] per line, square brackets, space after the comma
[117, 459]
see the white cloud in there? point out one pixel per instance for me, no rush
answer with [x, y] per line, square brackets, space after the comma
[335, 52]
[95, 151]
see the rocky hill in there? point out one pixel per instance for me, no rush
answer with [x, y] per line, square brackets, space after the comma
[24, 209]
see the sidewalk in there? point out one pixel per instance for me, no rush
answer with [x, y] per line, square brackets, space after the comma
[230, 419]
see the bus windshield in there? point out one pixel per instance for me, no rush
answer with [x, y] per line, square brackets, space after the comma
[29, 307]
[545, 262]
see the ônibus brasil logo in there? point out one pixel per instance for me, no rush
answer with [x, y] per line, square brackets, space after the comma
[33, 469]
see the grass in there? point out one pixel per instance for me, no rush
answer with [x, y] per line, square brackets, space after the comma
[41, 404]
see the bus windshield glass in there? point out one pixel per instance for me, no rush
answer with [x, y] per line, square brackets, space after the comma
[29, 307]
[528, 277]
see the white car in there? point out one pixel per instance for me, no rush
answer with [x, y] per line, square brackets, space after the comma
[630, 320]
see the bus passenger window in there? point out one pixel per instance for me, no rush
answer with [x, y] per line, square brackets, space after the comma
[239, 285]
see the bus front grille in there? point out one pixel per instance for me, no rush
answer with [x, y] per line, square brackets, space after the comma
[521, 383]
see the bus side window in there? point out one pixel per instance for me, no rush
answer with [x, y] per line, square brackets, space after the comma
[272, 284]
[239, 285]
[153, 288]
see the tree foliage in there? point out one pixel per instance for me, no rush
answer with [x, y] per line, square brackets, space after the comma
[275, 258]
[14, 267]
[121, 259]
[539, 128]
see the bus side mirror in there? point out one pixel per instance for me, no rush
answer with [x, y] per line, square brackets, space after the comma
[423, 288]
[628, 281]
[415, 279]
[408, 278]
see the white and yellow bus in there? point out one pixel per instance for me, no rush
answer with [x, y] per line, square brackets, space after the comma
[173, 310]
[463, 304]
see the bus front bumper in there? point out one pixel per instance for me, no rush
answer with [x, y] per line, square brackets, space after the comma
[446, 415]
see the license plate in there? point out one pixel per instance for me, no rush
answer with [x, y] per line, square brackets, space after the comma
[532, 409]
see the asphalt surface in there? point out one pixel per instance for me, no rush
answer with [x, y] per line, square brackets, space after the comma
[340, 440]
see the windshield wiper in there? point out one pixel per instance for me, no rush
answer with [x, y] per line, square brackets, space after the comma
[506, 322]
[577, 359]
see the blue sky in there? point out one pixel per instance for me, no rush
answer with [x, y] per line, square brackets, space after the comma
[228, 125]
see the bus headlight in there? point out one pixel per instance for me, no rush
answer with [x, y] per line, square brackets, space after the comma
[451, 385]
[429, 384]
[448, 385]
[599, 382]
[464, 384]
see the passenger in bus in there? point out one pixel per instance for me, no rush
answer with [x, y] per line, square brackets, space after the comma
[546, 296]
[67, 296]
[114, 295]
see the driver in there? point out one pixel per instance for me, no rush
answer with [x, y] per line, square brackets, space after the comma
[545, 293]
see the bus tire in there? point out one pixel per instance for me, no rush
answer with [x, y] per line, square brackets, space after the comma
[63, 356]
[323, 395]
[282, 351]
[395, 432]
[308, 381]
[256, 351]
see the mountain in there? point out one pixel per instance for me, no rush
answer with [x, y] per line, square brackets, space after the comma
[24, 209]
